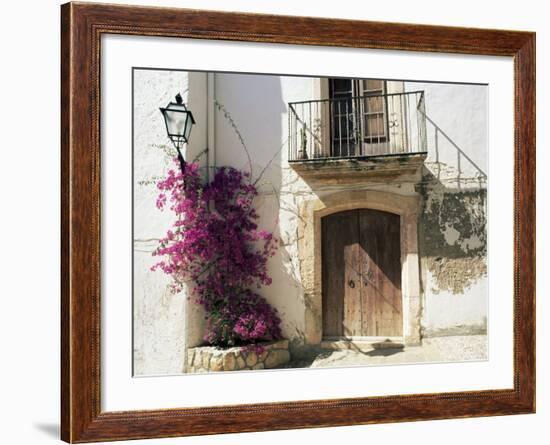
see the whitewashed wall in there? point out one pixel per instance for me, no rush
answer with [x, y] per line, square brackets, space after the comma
[456, 121]
[448, 313]
[456, 127]
[159, 316]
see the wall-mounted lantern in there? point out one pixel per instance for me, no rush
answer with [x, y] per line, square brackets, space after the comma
[179, 121]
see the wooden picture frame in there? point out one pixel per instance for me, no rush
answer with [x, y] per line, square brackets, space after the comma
[82, 26]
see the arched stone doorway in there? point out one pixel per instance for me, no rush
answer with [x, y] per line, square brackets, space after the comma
[312, 212]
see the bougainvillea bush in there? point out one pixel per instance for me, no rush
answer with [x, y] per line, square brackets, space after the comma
[216, 247]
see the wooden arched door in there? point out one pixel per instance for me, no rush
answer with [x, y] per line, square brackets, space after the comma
[361, 254]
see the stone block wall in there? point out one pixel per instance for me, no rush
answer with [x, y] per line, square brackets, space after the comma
[214, 359]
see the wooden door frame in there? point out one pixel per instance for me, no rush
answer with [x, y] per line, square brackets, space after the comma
[310, 254]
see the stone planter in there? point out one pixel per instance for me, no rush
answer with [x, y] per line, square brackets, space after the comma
[214, 359]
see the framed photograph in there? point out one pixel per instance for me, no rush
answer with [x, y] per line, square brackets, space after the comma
[274, 222]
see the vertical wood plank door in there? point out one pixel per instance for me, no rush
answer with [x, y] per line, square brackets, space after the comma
[379, 237]
[361, 274]
[341, 276]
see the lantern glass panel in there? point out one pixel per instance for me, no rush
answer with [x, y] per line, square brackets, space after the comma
[188, 125]
[176, 117]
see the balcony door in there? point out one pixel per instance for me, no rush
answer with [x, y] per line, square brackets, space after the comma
[366, 119]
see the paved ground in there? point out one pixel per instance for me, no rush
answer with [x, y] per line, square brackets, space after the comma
[438, 349]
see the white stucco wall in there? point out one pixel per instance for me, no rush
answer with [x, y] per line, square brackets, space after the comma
[257, 107]
[456, 121]
[448, 313]
[159, 331]
[456, 126]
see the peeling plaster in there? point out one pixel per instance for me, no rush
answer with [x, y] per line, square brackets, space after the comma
[453, 234]
[456, 274]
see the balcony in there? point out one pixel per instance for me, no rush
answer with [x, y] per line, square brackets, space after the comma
[373, 137]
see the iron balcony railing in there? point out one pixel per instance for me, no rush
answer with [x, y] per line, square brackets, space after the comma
[355, 127]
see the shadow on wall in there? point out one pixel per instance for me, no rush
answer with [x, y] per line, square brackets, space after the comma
[250, 112]
[196, 151]
[452, 226]
[461, 157]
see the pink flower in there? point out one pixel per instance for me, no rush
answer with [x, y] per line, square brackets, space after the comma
[215, 243]
[161, 201]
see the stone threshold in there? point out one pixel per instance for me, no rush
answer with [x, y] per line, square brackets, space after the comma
[363, 344]
[202, 359]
